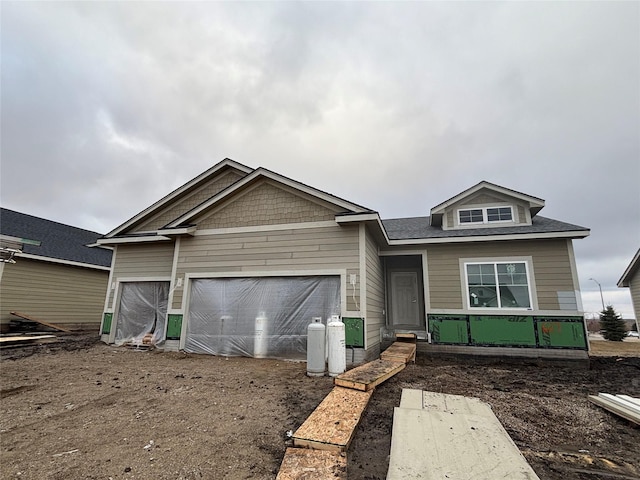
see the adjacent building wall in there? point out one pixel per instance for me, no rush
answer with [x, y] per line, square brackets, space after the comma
[61, 294]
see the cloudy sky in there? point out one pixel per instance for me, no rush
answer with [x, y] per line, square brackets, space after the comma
[108, 106]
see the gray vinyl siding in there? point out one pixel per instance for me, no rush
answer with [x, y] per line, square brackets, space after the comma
[321, 248]
[60, 294]
[143, 260]
[551, 265]
[375, 293]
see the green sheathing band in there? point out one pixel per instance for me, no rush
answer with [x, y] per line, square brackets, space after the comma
[106, 323]
[354, 331]
[174, 326]
[508, 331]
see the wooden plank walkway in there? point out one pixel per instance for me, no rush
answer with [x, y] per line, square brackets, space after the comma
[332, 425]
[368, 376]
[306, 464]
[438, 436]
[404, 352]
[324, 437]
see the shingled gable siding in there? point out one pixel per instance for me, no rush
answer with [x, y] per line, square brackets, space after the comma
[375, 293]
[61, 294]
[551, 265]
[150, 260]
[194, 198]
[265, 204]
[257, 252]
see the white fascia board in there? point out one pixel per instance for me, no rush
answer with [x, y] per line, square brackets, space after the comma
[533, 202]
[62, 262]
[626, 276]
[97, 245]
[118, 241]
[486, 238]
[178, 231]
[260, 172]
[164, 200]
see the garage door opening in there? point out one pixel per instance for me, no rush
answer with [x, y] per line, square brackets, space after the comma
[258, 317]
[142, 311]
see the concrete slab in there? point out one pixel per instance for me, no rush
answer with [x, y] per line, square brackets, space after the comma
[452, 437]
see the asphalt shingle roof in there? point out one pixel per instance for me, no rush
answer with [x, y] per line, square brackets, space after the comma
[418, 227]
[59, 241]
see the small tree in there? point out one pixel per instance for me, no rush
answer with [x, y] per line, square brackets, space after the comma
[613, 327]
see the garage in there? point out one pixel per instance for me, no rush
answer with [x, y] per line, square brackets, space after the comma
[258, 316]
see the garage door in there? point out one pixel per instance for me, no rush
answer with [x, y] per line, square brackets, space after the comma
[258, 317]
[142, 310]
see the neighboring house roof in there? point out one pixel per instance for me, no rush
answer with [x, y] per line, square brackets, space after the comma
[535, 204]
[421, 228]
[631, 270]
[58, 242]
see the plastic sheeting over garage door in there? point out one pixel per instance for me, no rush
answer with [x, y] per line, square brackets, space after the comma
[261, 317]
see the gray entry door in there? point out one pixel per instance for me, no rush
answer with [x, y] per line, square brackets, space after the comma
[406, 300]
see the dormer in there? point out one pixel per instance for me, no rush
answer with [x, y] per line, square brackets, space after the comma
[486, 205]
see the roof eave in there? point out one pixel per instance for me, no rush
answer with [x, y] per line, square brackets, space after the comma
[630, 271]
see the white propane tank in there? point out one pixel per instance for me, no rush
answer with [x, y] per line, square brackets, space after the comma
[336, 346]
[261, 339]
[315, 348]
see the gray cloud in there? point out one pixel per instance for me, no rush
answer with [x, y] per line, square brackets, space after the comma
[108, 106]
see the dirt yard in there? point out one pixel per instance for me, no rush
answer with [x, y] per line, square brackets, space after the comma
[81, 409]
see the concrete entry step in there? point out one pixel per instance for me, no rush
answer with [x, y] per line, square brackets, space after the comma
[438, 436]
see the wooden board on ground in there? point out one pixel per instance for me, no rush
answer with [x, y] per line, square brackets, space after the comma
[41, 322]
[368, 376]
[306, 464]
[459, 441]
[332, 424]
[23, 340]
[400, 352]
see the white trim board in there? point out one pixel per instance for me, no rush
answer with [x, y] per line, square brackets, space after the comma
[70, 263]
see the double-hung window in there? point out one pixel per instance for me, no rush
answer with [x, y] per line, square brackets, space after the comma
[498, 285]
[485, 215]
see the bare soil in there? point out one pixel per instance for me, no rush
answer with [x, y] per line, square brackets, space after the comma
[82, 409]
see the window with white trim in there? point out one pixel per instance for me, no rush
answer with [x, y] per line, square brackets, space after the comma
[485, 215]
[498, 285]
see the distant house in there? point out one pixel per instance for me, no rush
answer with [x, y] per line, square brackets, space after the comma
[50, 273]
[631, 279]
[238, 261]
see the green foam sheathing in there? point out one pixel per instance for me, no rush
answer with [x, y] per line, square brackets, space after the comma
[174, 326]
[512, 330]
[449, 329]
[106, 323]
[557, 332]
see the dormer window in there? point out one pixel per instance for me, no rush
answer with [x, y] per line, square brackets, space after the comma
[485, 215]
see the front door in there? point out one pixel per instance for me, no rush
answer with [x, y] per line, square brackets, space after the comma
[405, 300]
